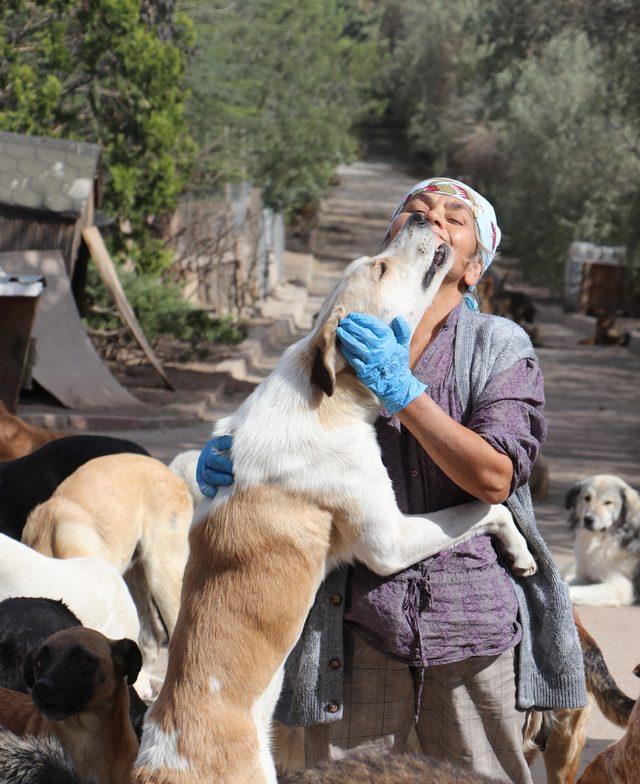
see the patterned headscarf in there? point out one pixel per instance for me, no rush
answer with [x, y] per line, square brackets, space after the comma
[483, 212]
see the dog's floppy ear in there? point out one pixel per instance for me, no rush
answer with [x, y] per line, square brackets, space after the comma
[29, 669]
[571, 495]
[324, 353]
[630, 505]
[127, 659]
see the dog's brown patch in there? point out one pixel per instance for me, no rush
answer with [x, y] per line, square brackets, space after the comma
[620, 763]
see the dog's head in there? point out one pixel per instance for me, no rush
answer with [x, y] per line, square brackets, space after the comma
[76, 670]
[601, 502]
[400, 281]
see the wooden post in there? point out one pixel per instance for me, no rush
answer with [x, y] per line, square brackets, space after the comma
[109, 275]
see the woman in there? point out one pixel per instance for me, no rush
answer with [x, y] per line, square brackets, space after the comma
[434, 646]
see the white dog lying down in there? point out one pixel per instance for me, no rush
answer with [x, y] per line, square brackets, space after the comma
[90, 587]
[310, 492]
[604, 513]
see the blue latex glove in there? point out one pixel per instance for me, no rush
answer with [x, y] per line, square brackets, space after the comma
[215, 468]
[380, 356]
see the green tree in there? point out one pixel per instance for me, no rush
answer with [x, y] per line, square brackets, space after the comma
[276, 87]
[536, 103]
[96, 71]
[566, 161]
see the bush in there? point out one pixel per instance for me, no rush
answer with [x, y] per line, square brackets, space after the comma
[160, 309]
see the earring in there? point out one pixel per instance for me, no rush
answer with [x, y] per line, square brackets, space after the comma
[470, 299]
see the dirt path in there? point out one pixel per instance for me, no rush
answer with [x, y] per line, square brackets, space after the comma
[591, 402]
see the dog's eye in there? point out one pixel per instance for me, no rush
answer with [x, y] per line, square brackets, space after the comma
[587, 498]
[383, 268]
[608, 503]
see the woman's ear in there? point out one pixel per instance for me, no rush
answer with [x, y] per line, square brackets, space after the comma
[473, 272]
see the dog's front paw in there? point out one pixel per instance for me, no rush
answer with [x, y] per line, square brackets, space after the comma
[522, 564]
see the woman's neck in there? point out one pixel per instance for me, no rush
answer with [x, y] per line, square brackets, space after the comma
[432, 320]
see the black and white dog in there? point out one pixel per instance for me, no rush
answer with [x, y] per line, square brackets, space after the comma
[604, 513]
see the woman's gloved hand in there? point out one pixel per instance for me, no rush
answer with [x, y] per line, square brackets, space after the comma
[380, 356]
[214, 468]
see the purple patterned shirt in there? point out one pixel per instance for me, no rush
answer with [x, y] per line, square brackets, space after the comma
[461, 602]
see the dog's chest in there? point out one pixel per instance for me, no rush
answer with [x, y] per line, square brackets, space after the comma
[90, 761]
[599, 556]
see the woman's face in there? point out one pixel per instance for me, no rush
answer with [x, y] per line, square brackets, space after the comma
[454, 223]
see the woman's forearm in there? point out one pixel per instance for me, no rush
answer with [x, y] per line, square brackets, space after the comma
[464, 456]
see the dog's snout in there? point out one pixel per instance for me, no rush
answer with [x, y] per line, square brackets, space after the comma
[589, 522]
[42, 687]
[419, 218]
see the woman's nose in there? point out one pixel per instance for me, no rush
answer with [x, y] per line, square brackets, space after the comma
[435, 219]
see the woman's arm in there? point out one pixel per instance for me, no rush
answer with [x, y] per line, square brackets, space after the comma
[472, 463]
[489, 457]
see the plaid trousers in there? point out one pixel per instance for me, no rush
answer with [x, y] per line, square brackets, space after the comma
[467, 713]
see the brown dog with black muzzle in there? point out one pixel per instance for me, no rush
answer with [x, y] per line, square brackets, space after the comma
[79, 693]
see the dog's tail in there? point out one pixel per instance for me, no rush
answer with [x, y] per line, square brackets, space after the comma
[612, 701]
[34, 761]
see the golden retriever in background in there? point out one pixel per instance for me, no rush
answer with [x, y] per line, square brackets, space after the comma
[19, 438]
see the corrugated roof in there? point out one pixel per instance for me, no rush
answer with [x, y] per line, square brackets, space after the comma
[40, 173]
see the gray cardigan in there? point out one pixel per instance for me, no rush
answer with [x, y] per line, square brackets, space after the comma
[550, 671]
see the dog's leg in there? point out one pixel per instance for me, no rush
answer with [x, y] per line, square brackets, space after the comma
[565, 744]
[164, 567]
[288, 747]
[390, 541]
[618, 591]
[151, 632]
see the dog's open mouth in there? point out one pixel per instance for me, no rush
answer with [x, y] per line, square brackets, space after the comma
[439, 258]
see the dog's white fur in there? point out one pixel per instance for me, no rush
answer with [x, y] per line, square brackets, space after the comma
[184, 465]
[90, 587]
[605, 513]
[287, 436]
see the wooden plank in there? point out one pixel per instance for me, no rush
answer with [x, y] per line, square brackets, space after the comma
[16, 321]
[67, 364]
[109, 275]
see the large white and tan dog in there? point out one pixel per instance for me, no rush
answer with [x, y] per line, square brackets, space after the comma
[310, 492]
[604, 514]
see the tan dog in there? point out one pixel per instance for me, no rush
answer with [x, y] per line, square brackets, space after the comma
[620, 763]
[79, 693]
[561, 734]
[311, 492]
[18, 438]
[113, 507]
